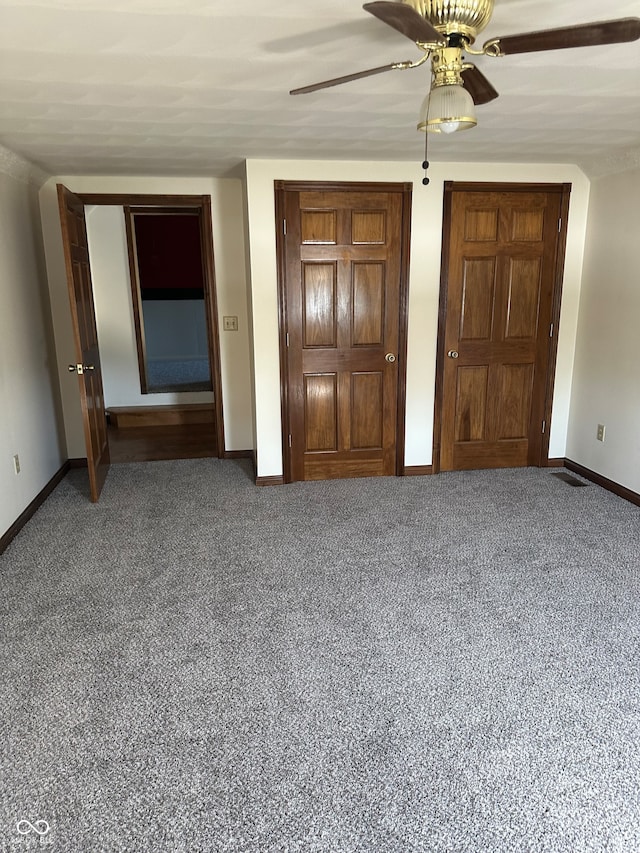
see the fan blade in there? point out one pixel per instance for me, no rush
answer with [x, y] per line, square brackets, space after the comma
[405, 20]
[336, 81]
[478, 86]
[581, 35]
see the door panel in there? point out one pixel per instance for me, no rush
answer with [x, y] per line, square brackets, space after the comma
[76, 255]
[318, 226]
[527, 226]
[321, 412]
[368, 227]
[367, 304]
[481, 225]
[478, 295]
[515, 389]
[471, 403]
[500, 279]
[319, 305]
[342, 294]
[367, 406]
[523, 298]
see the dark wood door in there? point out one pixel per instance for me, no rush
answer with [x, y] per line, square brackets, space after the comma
[500, 278]
[344, 272]
[83, 315]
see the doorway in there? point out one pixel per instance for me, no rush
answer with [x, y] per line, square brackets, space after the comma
[170, 420]
[501, 281]
[167, 272]
[343, 273]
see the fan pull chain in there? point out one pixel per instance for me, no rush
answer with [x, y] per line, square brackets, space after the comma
[425, 162]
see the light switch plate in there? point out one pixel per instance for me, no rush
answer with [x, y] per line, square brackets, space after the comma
[230, 324]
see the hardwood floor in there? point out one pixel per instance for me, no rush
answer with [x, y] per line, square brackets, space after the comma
[146, 444]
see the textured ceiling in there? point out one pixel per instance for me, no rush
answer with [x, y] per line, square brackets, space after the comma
[198, 86]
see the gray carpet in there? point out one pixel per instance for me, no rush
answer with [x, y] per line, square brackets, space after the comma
[182, 374]
[431, 664]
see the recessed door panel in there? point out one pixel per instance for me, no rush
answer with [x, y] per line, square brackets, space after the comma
[523, 297]
[481, 226]
[366, 410]
[319, 304]
[478, 293]
[527, 226]
[321, 412]
[368, 304]
[515, 387]
[368, 227]
[471, 403]
[318, 226]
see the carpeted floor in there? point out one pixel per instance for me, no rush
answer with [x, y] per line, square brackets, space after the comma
[181, 374]
[432, 664]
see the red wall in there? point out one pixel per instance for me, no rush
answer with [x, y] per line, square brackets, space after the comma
[169, 252]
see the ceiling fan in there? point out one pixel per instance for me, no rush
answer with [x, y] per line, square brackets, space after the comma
[445, 30]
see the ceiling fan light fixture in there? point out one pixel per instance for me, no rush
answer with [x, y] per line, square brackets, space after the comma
[447, 109]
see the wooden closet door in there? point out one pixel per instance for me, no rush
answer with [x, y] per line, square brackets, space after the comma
[343, 299]
[500, 285]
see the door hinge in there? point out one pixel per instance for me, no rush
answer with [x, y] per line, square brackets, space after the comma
[284, 227]
[544, 427]
[289, 439]
[551, 331]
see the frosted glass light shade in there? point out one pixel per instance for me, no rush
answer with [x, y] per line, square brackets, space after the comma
[447, 109]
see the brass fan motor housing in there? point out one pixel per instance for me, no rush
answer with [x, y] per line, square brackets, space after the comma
[467, 17]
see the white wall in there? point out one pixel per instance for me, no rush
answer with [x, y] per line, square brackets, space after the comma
[110, 266]
[424, 282]
[606, 386]
[29, 403]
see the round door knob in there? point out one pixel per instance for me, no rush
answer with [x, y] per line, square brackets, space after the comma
[390, 357]
[452, 353]
[80, 368]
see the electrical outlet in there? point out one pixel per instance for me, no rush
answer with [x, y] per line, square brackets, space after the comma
[230, 324]
[600, 432]
[16, 463]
